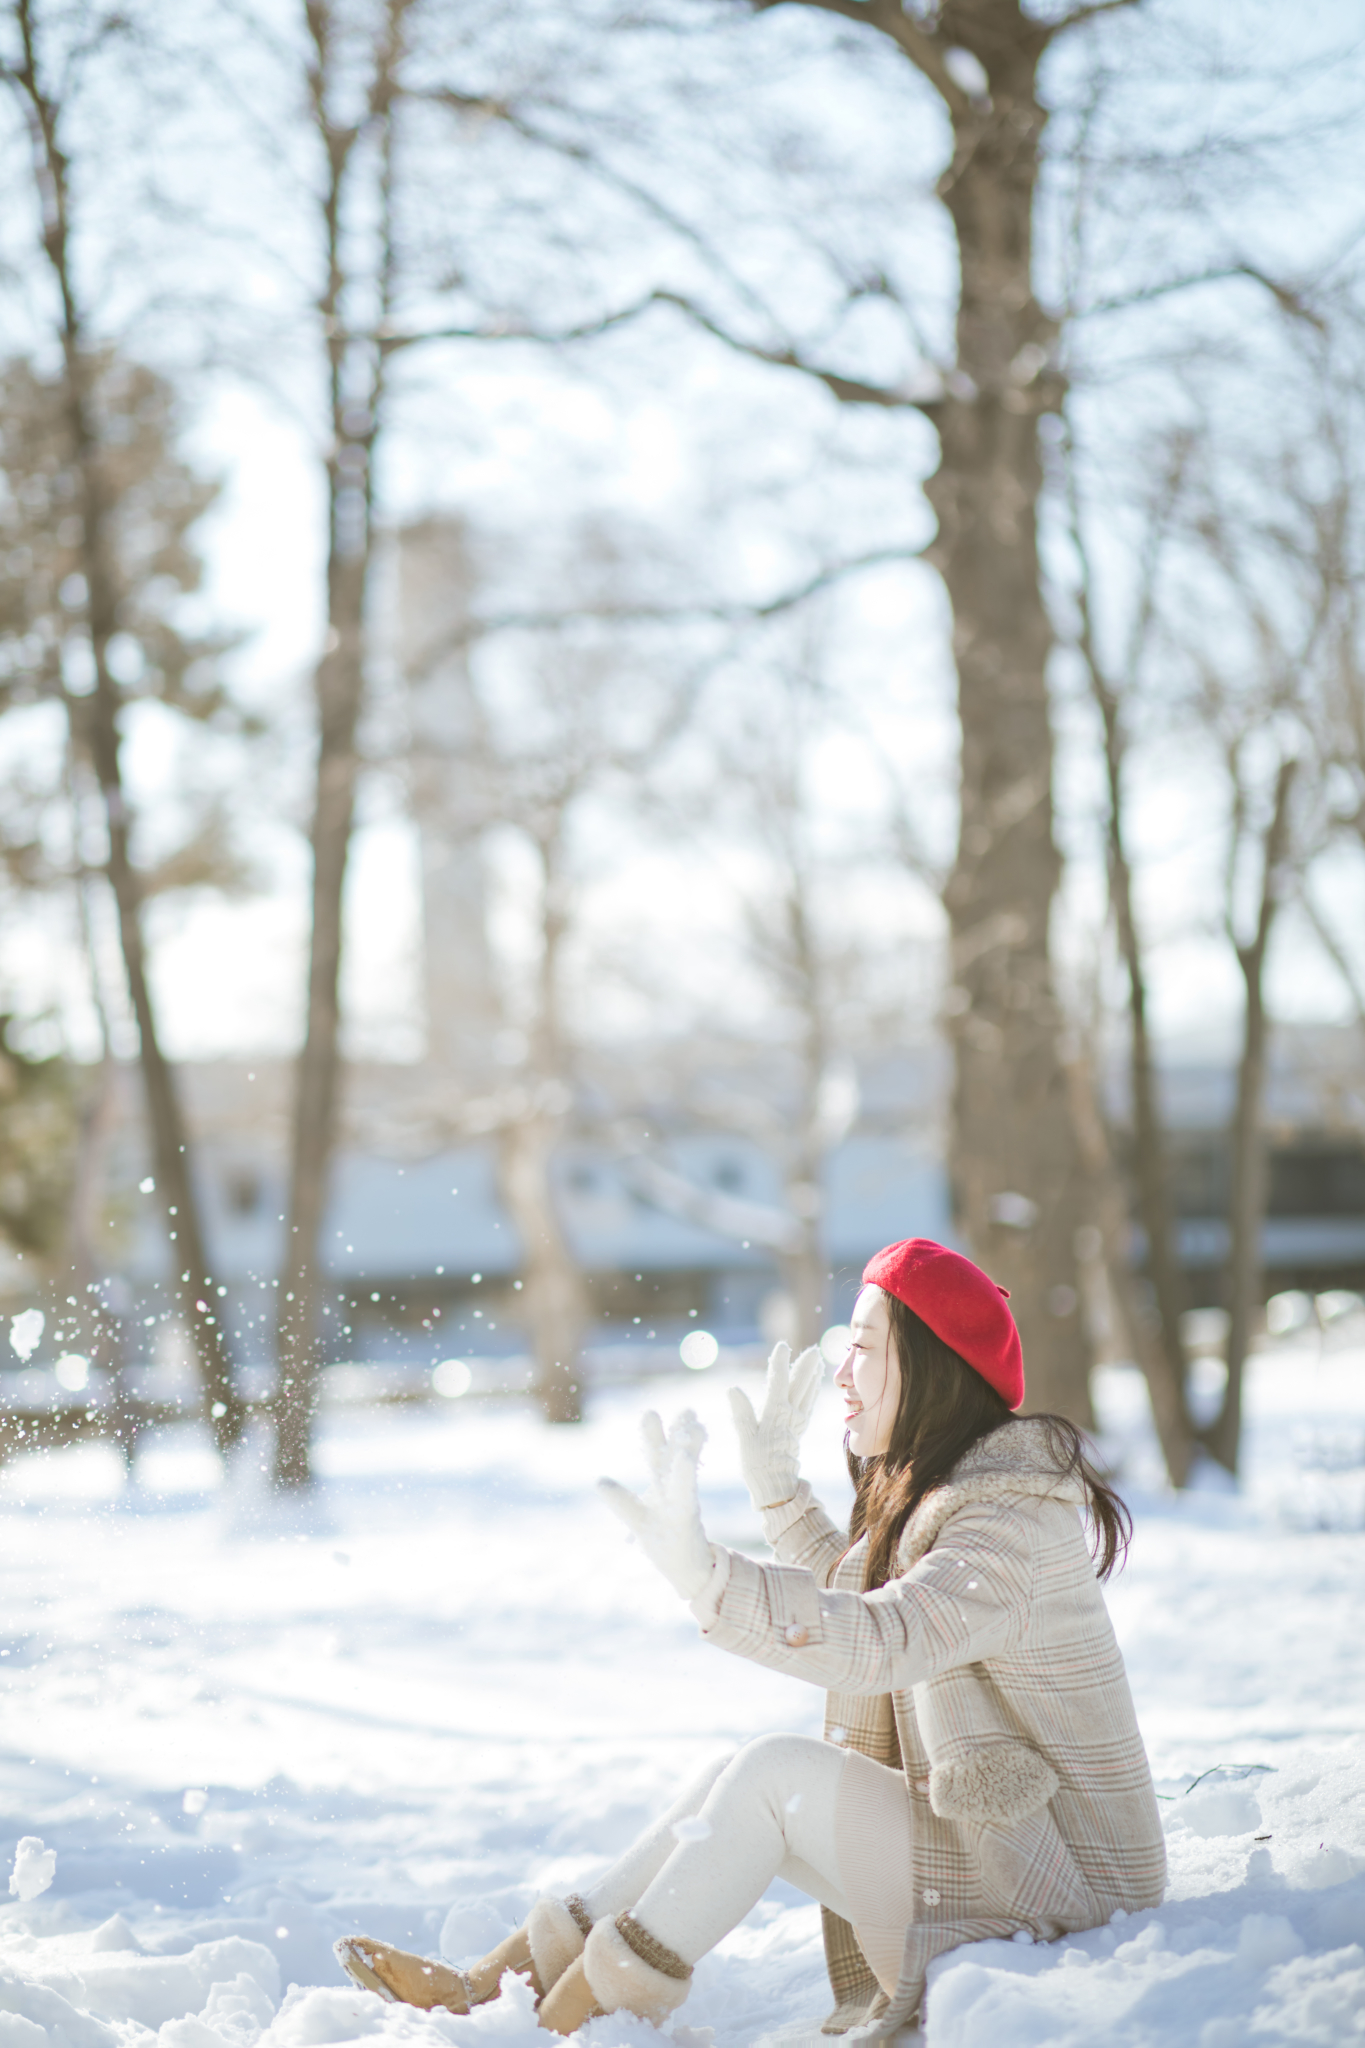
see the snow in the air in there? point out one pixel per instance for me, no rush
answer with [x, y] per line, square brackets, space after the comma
[244, 1730]
[35, 1866]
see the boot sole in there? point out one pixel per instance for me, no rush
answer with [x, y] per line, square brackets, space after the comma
[359, 1971]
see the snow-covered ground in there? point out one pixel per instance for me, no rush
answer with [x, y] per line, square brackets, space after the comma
[447, 1683]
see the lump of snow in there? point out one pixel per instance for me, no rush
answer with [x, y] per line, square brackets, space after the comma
[115, 1937]
[1213, 1809]
[151, 1990]
[239, 2010]
[1327, 1865]
[25, 1332]
[195, 1800]
[34, 1866]
[35, 2017]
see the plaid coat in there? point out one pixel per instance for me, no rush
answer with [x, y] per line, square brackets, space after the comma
[988, 1672]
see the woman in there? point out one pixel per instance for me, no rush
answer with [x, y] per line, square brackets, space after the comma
[981, 1773]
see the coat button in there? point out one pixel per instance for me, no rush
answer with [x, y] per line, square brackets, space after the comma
[797, 1635]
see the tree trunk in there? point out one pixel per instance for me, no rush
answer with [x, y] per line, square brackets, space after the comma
[1156, 1338]
[557, 1308]
[1165, 1362]
[804, 1271]
[1246, 1211]
[192, 1283]
[1109, 1207]
[1014, 1167]
[356, 387]
[339, 687]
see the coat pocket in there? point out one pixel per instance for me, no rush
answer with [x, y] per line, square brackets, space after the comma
[1028, 1874]
[995, 1784]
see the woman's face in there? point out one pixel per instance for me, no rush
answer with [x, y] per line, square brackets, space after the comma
[870, 1377]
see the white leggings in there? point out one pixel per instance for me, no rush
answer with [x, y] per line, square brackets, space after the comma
[770, 1810]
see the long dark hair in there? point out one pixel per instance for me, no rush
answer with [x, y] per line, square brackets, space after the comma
[946, 1407]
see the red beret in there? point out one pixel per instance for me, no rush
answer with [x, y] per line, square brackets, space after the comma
[960, 1303]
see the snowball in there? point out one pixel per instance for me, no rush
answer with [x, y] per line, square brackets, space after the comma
[1212, 1809]
[34, 1866]
[699, 1350]
[26, 1330]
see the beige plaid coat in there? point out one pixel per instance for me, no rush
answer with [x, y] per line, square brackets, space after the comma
[988, 1672]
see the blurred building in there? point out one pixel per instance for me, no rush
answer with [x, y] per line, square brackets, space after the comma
[423, 1259]
[1313, 1238]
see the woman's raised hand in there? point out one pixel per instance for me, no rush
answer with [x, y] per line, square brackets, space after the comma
[770, 1444]
[666, 1518]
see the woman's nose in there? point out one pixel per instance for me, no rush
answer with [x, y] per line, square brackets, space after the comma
[844, 1376]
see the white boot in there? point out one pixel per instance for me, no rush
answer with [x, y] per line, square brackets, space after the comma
[622, 1969]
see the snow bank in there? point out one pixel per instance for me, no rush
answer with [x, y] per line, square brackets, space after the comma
[1275, 1956]
[404, 1709]
[80, 1987]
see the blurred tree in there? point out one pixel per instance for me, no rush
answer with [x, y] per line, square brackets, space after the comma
[1013, 1157]
[516, 745]
[1116, 690]
[37, 1147]
[348, 65]
[835, 979]
[96, 514]
[1238, 630]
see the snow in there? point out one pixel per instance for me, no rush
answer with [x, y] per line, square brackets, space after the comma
[25, 1331]
[35, 1866]
[404, 1707]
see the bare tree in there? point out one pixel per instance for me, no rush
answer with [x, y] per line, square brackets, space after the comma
[802, 944]
[47, 66]
[1015, 1177]
[1162, 1354]
[521, 746]
[1246, 1214]
[349, 83]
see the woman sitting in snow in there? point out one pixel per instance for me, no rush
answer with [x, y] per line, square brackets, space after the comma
[981, 1772]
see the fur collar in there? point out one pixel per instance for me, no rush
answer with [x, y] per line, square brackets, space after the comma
[1015, 1459]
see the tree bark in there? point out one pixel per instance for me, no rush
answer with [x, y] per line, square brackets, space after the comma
[1016, 1183]
[1246, 1212]
[1166, 1363]
[557, 1308]
[1013, 1155]
[1156, 1338]
[339, 689]
[192, 1283]
[356, 389]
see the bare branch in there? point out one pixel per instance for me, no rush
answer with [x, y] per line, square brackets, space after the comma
[1290, 299]
[1335, 951]
[888, 16]
[473, 630]
[597, 166]
[1081, 15]
[848, 390]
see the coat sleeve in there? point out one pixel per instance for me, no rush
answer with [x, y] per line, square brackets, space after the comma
[965, 1601]
[803, 1534]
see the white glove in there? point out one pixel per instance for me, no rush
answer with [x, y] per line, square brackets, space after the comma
[770, 1446]
[666, 1519]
